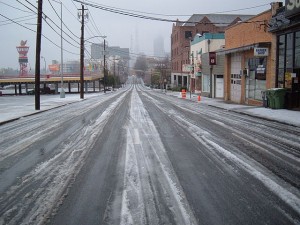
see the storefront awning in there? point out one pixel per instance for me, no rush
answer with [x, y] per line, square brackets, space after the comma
[244, 48]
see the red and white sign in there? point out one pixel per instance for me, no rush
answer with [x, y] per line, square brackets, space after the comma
[54, 67]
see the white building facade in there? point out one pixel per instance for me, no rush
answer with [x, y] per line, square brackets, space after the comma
[205, 78]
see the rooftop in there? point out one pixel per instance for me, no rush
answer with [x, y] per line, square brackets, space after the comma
[217, 19]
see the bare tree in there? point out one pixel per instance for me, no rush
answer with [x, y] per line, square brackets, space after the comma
[141, 66]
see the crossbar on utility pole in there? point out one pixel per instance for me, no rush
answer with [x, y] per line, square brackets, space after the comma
[38, 55]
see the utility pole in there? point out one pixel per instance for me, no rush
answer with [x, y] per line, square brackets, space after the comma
[114, 72]
[82, 53]
[104, 81]
[38, 55]
[62, 91]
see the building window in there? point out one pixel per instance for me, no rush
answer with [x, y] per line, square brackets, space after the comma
[179, 80]
[188, 34]
[281, 61]
[205, 84]
[289, 50]
[256, 81]
[258, 65]
[297, 50]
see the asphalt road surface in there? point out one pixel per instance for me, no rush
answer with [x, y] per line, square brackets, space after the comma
[138, 156]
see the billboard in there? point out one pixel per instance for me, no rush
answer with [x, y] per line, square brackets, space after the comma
[54, 67]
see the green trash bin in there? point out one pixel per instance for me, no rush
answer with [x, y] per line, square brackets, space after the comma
[270, 98]
[279, 96]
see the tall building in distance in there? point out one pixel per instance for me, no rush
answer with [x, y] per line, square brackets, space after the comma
[158, 47]
[116, 57]
[98, 53]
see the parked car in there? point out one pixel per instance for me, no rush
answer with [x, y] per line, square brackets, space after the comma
[31, 92]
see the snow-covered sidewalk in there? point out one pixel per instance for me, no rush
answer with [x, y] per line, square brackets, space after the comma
[280, 115]
[15, 107]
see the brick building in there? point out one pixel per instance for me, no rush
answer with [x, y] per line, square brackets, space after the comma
[182, 33]
[250, 60]
[285, 26]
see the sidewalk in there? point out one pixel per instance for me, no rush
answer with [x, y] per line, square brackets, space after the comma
[280, 115]
[15, 107]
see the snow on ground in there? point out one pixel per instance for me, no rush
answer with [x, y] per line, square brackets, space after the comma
[280, 115]
[58, 171]
[12, 107]
[288, 195]
[146, 157]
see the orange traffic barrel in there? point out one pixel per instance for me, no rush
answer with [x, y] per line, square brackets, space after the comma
[199, 98]
[183, 93]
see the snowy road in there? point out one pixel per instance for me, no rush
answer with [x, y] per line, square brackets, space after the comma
[138, 156]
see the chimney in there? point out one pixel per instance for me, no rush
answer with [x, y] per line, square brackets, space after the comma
[275, 6]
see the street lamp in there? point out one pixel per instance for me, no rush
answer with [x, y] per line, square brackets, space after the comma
[116, 59]
[62, 91]
[45, 64]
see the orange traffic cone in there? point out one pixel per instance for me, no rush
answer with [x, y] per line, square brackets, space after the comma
[199, 98]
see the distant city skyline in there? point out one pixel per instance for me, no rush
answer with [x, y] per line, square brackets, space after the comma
[18, 22]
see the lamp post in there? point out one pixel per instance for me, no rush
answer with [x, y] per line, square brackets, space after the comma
[104, 67]
[62, 91]
[45, 64]
[116, 59]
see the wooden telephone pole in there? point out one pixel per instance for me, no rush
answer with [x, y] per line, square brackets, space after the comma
[82, 54]
[38, 55]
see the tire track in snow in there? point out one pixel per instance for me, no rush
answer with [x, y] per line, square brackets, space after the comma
[285, 192]
[44, 188]
[152, 193]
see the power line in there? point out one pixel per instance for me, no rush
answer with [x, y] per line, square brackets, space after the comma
[173, 15]
[35, 32]
[27, 7]
[88, 29]
[19, 19]
[242, 9]
[14, 7]
[128, 13]
[62, 21]
[95, 26]
[45, 19]
[17, 23]
[124, 12]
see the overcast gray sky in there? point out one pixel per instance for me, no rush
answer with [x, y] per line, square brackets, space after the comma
[120, 30]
